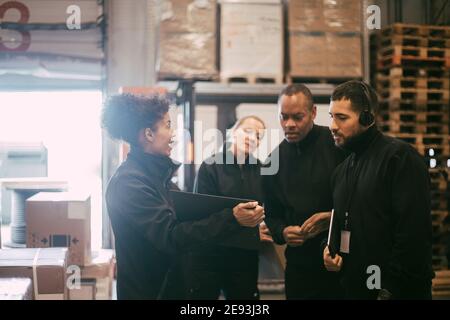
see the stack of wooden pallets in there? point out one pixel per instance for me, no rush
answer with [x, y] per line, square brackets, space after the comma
[412, 79]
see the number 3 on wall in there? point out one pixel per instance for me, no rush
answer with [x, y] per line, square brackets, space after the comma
[24, 17]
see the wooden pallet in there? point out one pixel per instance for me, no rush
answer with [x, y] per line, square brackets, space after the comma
[419, 128]
[439, 200]
[440, 231]
[419, 96]
[252, 79]
[413, 117]
[414, 71]
[411, 61]
[439, 180]
[439, 249]
[441, 285]
[392, 82]
[411, 105]
[416, 30]
[399, 52]
[412, 41]
[439, 216]
[440, 263]
[429, 145]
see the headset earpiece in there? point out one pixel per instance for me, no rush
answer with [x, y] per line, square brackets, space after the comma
[366, 117]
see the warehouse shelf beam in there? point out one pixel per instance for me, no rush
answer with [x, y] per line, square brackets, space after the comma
[211, 93]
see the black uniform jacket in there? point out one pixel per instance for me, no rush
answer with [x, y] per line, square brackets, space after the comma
[218, 177]
[384, 187]
[147, 233]
[300, 189]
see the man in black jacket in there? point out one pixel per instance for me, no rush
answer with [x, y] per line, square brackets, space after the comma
[381, 229]
[298, 199]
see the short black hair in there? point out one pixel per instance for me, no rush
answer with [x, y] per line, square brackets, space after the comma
[361, 95]
[297, 88]
[124, 115]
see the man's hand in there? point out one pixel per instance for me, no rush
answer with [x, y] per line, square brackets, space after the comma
[331, 264]
[264, 233]
[249, 214]
[293, 236]
[316, 224]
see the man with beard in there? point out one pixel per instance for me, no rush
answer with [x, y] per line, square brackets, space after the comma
[381, 229]
[298, 199]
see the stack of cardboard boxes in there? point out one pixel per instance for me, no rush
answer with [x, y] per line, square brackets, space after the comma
[60, 265]
[324, 39]
[46, 268]
[251, 45]
[64, 219]
[187, 39]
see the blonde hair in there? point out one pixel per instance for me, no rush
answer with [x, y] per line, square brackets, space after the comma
[240, 121]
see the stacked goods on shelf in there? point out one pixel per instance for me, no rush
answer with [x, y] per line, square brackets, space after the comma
[412, 79]
[187, 40]
[251, 45]
[319, 33]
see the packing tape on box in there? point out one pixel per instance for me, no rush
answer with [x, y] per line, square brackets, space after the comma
[37, 296]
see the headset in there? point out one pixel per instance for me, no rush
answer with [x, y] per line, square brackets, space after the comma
[366, 117]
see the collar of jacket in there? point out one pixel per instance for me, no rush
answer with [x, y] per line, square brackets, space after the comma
[161, 166]
[362, 142]
[227, 154]
[306, 141]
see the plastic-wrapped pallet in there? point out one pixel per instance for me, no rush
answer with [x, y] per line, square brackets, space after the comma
[320, 31]
[187, 43]
[252, 40]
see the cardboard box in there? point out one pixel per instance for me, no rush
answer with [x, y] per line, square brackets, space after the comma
[324, 15]
[306, 15]
[86, 291]
[96, 278]
[344, 55]
[46, 267]
[327, 55]
[193, 16]
[187, 39]
[188, 55]
[251, 39]
[15, 289]
[60, 219]
[308, 54]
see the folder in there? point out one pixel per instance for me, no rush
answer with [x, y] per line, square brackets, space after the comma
[195, 206]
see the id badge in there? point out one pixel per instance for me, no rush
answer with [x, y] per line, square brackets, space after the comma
[345, 242]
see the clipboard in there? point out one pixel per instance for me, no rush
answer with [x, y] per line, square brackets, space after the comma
[196, 206]
[330, 245]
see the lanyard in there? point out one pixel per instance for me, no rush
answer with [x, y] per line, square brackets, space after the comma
[350, 186]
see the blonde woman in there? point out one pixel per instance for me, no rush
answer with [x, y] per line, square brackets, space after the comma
[233, 172]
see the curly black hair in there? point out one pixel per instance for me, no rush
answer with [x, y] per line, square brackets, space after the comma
[124, 115]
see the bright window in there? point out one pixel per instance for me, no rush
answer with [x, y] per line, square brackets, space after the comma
[68, 124]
